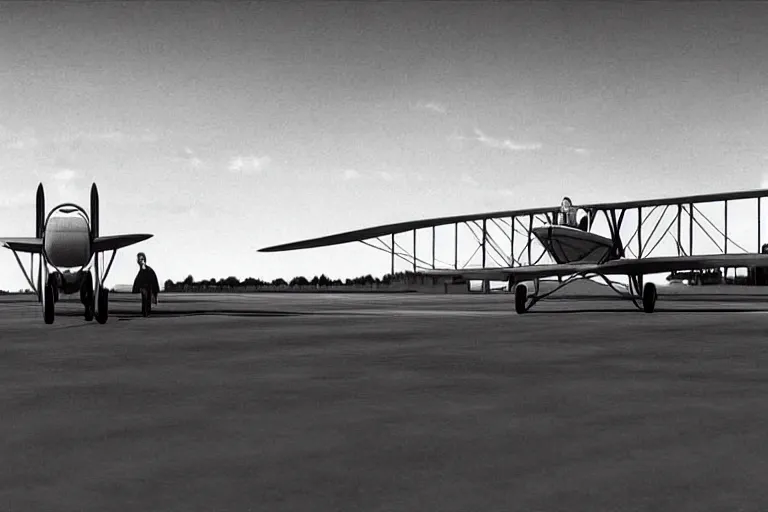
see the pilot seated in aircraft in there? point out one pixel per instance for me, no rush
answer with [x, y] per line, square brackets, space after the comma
[146, 279]
[568, 215]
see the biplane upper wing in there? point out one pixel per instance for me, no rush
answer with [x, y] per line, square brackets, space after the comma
[401, 227]
[640, 266]
[115, 242]
[33, 245]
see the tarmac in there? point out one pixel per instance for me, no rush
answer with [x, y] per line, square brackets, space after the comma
[384, 402]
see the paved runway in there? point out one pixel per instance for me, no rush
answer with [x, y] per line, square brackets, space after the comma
[384, 402]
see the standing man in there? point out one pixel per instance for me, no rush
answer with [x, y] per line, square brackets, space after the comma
[146, 284]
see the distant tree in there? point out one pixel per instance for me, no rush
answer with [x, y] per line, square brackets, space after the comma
[231, 281]
[336, 282]
[348, 282]
[189, 280]
[250, 281]
[315, 280]
[168, 285]
[299, 281]
[324, 281]
[279, 282]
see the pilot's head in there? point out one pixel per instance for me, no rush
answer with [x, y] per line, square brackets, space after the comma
[141, 259]
[566, 204]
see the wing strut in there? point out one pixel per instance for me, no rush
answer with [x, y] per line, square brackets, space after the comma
[109, 265]
[24, 270]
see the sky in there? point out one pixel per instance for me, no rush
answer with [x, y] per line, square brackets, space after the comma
[225, 127]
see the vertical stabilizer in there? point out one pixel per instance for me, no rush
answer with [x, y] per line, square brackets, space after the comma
[39, 211]
[94, 211]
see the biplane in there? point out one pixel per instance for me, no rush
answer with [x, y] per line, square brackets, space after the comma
[66, 239]
[575, 250]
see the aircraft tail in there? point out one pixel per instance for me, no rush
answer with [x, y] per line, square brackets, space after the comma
[94, 212]
[39, 211]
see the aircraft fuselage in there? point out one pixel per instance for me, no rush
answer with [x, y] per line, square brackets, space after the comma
[566, 244]
[67, 241]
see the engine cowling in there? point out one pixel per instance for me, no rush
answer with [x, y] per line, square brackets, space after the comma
[67, 241]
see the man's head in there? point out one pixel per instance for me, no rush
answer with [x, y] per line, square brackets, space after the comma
[141, 258]
[566, 204]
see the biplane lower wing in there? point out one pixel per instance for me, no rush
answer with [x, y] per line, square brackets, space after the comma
[632, 267]
[115, 242]
[33, 245]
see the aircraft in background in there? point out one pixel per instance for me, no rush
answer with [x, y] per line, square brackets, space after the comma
[67, 239]
[575, 250]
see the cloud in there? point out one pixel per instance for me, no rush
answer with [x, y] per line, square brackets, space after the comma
[580, 151]
[108, 136]
[16, 200]
[438, 108]
[65, 175]
[189, 157]
[350, 174]
[505, 144]
[248, 164]
[23, 140]
[469, 180]
[386, 176]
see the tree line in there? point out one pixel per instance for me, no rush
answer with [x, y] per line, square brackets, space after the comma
[321, 281]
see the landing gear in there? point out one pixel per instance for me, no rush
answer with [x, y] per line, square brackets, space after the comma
[49, 301]
[521, 298]
[649, 297]
[102, 305]
[86, 296]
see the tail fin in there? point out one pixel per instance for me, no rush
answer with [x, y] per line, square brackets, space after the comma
[94, 212]
[39, 211]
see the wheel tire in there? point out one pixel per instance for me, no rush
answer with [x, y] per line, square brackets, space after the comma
[86, 297]
[102, 308]
[649, 297]
[49, 303]
[89, 305]
[521, 298]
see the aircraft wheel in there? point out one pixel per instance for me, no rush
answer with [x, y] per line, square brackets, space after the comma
[88, 303]
[521, 298]
[49, 312]
[102, 308]
[649, 297]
